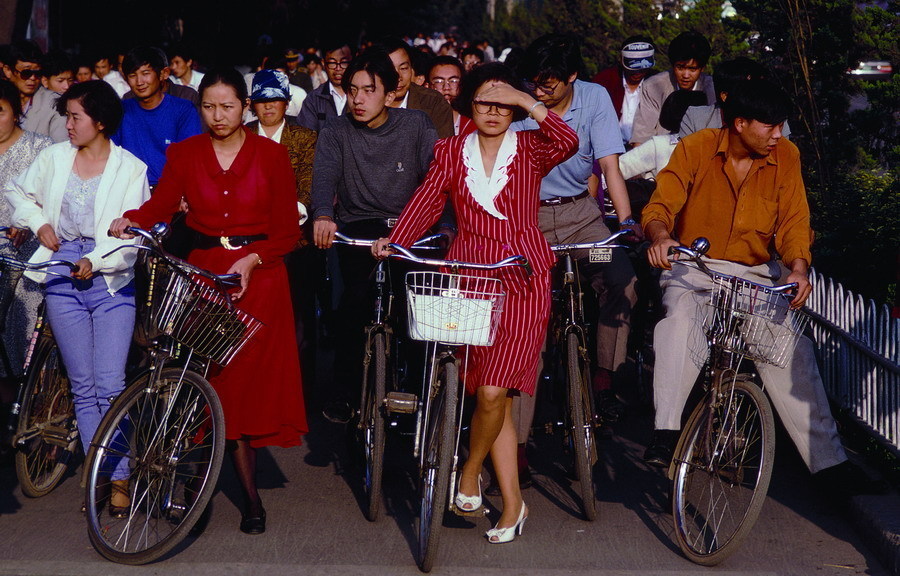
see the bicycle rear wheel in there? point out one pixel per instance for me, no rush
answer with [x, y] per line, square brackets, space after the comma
[46, 435]
[722, 473]
[438, 444]
[168, 434]
[372, 424]
[581, 415]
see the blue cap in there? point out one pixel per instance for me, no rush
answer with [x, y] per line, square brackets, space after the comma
[638, 56]
[270, 85]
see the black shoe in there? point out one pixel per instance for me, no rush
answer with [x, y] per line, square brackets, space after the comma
[338, 412]
[254, 524]
[609, 408]
[662, 445]
[841, 482]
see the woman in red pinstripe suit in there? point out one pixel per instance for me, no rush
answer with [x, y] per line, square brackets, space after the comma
[493, 178]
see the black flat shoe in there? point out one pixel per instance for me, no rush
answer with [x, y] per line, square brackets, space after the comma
[662, 445]
[254, 524]
[119, 512]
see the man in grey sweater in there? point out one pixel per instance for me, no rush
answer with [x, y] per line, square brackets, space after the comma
[368, 162]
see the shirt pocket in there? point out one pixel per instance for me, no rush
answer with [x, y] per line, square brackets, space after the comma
[765, 216]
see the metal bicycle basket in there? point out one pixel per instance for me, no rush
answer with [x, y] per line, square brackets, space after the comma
[198, 315]
[453, 309]
[751, 320]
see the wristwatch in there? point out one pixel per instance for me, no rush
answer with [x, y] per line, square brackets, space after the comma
[628, 222]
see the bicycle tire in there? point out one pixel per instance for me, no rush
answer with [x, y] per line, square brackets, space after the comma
[581, 428]
[46, 435]
[373, 430]
[171, 429]
[722, 473]
[435, 474]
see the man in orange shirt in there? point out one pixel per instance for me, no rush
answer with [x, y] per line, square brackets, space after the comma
[740, 187]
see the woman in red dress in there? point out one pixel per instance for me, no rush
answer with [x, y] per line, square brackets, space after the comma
[240, 187]
[493, 178]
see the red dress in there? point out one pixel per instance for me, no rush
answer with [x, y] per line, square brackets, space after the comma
[513, 359]
[260, 390]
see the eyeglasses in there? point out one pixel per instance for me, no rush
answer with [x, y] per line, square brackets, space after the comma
[438, 82]
[533, 87]
[485, 108]
[28, 74]
[334, 64]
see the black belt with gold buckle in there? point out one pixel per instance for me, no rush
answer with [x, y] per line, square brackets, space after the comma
[205, 242]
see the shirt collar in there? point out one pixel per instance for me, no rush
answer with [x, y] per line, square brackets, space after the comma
[722, 149]
[241, 162]
[276, 137]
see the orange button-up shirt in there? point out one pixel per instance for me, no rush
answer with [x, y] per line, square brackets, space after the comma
[698, 194]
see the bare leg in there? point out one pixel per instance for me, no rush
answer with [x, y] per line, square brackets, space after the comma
[504, 455]
[492, 423]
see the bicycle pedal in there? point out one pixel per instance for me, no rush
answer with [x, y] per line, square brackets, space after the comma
[477, 513]
[401, 403]
[56, 436]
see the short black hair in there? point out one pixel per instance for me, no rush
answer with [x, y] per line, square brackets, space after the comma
[446, 61]
[149, 55]
[472, 50]
[727, 74]
[676, 104]
[376, 62]
[756, 99]
[472, 81]
[334, 43]
[421, 62]
[24, 51]
[55, 62]
[690, 45]
[183, 50]
[10, 93]
[552, 56]
[391, 44]
[100, 102]
[228, 77]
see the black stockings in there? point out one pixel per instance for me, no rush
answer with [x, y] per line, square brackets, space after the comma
[243, 456]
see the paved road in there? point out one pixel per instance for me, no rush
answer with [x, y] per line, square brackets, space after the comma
[316, 527]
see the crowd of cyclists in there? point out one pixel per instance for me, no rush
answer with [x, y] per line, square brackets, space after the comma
[503, 152]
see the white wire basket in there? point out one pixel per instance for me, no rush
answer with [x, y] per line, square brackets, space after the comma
[751, 320]
[453, 309]
[198, 315]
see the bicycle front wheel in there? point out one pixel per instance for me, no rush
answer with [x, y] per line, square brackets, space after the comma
[438, 459]
[165, 436]
[722, 473]
[581, 415]
[372, 424]
[46, 436]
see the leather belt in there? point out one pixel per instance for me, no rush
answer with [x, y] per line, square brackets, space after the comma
[560, 200]
[204, 242]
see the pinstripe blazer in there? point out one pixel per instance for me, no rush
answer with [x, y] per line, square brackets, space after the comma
[482, 237]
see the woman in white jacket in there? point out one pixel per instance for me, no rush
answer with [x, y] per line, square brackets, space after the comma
[68, 197]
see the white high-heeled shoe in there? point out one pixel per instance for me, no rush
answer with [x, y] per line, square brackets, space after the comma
[503, 535]
[468, 503]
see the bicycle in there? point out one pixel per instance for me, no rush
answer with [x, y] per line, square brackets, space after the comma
[166, 432]
[380, 395]
[446, 310]
[568, 337]
[42, 429]
[722, 464]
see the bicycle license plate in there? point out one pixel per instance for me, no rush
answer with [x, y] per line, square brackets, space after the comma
[601, 255]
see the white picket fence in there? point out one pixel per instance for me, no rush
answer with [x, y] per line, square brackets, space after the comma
[858, 344]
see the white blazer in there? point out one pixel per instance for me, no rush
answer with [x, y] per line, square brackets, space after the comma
[36, 198]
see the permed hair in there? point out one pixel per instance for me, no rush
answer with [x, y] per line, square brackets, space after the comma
[99, 101]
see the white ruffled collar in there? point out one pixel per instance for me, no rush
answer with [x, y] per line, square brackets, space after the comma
[483, 188]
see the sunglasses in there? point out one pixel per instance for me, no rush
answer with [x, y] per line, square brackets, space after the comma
[485, 108]
[29, 74]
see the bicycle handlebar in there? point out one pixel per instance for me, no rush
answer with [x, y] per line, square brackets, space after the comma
[404, 254]
[159, 230]
[39, 266]
[698, 249]
[605, 243]
[421, 244]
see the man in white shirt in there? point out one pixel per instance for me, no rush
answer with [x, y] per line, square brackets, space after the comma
[104, 70]
[625, 82]
[181, 64]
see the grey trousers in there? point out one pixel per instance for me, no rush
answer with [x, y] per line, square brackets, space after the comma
[796, 391]
[614, 282]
